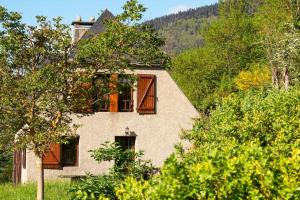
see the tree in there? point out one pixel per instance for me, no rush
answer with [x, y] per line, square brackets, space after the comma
[40, 76]
[231, 45]
[35, 80]
[277, 21]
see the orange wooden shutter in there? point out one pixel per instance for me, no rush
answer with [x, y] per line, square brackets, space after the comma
[146, 98]
[51, 160]
[113, 97]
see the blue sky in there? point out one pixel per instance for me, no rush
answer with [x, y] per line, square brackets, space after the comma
[69, 9]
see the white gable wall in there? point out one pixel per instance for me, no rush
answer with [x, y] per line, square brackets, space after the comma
[156, 134]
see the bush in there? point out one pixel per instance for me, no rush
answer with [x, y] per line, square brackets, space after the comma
[5, 167]
[249, 148]
[127, 163]
[255, 78]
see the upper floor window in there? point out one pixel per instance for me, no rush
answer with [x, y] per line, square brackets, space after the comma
[125, 94]
[114, 93]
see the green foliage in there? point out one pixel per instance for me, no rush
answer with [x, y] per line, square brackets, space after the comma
[249, 148]
[54, 190]
[244, 34]
[35, 73]
[275, 20]
[193, 70]
[231, 45]
[5, 167]
[127, 163]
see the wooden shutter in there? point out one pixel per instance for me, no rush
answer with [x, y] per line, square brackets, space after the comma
[146, 94]
[113, 97]
[51, 160]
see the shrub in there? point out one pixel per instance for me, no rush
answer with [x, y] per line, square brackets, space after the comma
[127, 163]
[249, 148]
[256, 77]
[5, 167]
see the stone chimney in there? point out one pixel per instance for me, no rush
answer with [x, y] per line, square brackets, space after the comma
[80, 28]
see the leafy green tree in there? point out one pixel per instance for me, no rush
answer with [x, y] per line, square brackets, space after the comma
[247, 149]
[196, 74]
[276, 21]
[231, 45]
[35, 85]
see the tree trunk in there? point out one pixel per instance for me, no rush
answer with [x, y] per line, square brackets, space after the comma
[285, 78]
[275, 81]
[40, 178]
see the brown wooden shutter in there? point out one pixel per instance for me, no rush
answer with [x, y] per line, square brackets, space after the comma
[146, 94]
[51, 160]
[113, 97]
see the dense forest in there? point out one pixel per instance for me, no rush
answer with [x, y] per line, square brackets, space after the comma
[194, 13]
[181, 31]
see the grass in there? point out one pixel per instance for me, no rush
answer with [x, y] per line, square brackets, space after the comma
[55, 190]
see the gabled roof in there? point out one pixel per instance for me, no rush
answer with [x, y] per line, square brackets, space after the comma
[98, 25]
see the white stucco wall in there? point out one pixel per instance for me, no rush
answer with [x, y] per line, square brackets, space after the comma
[155, 134]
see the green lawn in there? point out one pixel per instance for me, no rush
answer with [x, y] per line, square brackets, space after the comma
[53, 191]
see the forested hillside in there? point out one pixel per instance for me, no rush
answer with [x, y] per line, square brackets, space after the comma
[194, 13]
[181, 31]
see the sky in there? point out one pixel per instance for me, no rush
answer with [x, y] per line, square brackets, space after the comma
[70, 9]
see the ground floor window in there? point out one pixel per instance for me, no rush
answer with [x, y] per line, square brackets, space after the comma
[125, 142]
[61, 155]
[70, 152]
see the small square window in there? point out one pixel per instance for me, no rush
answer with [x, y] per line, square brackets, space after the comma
[125, 142]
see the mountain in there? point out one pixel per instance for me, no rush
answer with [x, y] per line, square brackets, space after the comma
[181, 30]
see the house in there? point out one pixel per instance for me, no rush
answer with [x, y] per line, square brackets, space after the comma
[147, 117]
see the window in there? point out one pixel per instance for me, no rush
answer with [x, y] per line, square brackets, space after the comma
[61, 155]
[70, 152]
[113, 93]
[125, 142]
[101, 93]
[125, 100]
